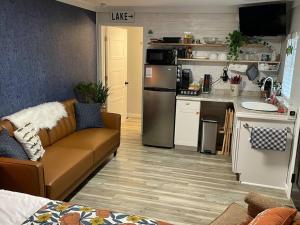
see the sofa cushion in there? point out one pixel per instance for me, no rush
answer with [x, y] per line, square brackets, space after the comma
[276, 216]
[88, 116]
[31, 142]
[66, 125]
[63, 167]
[99, 140]
[10, 148]
[235, 214]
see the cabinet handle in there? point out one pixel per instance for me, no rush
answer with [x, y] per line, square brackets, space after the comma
[197, 113]
[187, 103]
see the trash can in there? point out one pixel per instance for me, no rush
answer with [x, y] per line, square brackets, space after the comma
[209, 132]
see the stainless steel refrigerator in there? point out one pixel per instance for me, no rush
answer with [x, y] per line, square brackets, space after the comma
[159, 99]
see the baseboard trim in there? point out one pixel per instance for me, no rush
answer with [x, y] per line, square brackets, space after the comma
[263, 185]
[133, 115]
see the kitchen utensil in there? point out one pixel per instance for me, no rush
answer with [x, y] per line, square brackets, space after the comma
[252, 72]
[236, 79]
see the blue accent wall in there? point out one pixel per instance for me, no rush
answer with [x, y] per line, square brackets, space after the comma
[46, 48]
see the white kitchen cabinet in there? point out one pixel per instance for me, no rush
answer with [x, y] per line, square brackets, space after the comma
[235, 144]
[187, 123]
[260, 167]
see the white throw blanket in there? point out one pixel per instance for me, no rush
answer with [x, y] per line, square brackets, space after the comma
[42, 116]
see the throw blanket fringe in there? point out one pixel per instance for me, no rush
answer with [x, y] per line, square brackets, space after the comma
[42, 116]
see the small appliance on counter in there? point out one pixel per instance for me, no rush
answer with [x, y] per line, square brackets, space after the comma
[207, 84]
[189, 92]
[193, 90]
[186, 78]
[161, 56]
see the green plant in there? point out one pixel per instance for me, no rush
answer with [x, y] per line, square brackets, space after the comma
[289, 50]
[90, 92]
[235, 41]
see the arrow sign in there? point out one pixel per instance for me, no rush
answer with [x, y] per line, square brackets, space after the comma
[122, 16]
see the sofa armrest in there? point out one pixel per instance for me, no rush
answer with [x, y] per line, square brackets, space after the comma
[112, 120]
[258, 203]
[22, 176]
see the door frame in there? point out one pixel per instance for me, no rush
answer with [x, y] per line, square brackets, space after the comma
[102, 53]
[106, 61]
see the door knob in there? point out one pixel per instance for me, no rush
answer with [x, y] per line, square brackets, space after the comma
[126, 83]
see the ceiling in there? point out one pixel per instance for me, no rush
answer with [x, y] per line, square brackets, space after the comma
[100, 5]
[172, 3]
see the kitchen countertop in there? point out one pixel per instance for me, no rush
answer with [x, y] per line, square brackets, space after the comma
[240, 112]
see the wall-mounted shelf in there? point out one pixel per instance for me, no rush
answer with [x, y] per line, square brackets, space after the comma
[226, 61]
[186, 45]
[222, 45]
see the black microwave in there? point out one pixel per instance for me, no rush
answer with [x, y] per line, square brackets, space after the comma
[161, 56]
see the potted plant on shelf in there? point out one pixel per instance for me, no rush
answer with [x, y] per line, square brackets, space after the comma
[235, 41]
[92, 92]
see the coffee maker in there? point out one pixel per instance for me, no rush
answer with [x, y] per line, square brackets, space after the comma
[186, 78]
[207, 83]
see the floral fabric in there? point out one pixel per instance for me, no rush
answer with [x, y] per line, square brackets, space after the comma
[56, 212]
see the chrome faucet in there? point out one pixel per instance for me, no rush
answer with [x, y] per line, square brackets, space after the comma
[264, 84]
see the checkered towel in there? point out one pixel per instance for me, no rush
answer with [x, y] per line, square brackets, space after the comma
[268, 138]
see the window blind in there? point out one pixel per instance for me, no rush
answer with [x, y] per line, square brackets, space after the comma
[289, 68]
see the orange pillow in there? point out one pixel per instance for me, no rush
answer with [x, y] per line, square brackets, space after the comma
[275, 216]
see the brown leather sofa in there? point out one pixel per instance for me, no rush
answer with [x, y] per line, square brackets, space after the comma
[70, 157]
[236, 214]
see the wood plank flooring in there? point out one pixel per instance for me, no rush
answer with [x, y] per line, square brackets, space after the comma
[177, 186]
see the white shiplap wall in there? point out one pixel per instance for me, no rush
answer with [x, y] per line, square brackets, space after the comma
[203, 24]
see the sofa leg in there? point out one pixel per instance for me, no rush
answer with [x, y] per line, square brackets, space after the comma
[115, 153]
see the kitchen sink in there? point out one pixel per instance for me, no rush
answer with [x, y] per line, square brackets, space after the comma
[259, 106]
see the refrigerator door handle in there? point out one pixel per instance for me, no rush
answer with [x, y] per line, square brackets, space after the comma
[159, 89]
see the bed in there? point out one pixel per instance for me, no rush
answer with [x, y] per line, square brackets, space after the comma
[18, 208]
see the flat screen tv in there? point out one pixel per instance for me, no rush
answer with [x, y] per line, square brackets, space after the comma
[263, 20]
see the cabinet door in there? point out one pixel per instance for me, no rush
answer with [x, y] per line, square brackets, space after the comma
[235, 144]
[263, 167]
[187, 123]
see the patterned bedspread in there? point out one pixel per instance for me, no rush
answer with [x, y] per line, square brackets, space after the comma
[57, 212]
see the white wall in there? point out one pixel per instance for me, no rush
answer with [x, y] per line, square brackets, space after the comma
[295, 95]
[134, 71]
[295, 27]
[216, 23]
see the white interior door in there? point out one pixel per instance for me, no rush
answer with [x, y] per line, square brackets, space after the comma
[116, 70]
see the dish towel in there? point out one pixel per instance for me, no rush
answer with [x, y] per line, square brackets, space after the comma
[268, 138]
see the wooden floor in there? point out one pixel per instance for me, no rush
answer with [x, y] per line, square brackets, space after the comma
[181, 187]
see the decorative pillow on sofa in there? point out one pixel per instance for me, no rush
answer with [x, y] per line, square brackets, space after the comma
[275, 216]
[31, 142]
[88, 116]
[10, 148]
